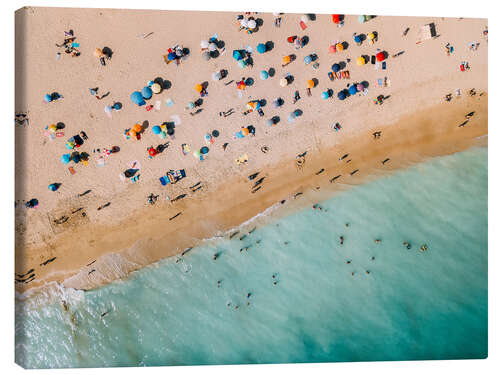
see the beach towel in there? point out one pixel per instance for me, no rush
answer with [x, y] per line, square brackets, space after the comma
[169, 102]
[303, 26]
[185, 149]
[71, 170]
[157, 105]
[239, 134]
[164, 180]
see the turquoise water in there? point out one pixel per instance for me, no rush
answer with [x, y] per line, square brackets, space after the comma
[411, 305]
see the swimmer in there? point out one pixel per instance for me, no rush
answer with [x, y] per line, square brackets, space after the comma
[258, 242]
[341, 239]
[219, 283]
[408, 245]
[249, 295]
[244, 248]
[352, 273]
[347, 225]
[373, 258]
[378, 241]
[286, 242]
[367, 272]
[348, 262]
[423, 248]
[275, 283]
[216, 255]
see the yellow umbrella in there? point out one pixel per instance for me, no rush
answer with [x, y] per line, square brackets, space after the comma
[156, 88]
[286, 59]
[360, 61]
[340, 47]
[371, 36]
[98, 53]
[132, 133]
[198, 88]
[283, 82]
[310, 84]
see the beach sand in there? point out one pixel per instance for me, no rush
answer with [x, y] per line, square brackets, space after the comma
[415, 121]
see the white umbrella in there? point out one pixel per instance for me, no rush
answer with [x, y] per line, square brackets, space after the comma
[244, 23]
[212, 47]
[204, 44]
[216, 76]
[252, 24]
[304, 18]
[108, 109]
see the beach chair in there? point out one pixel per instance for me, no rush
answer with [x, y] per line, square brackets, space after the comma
[164, 180]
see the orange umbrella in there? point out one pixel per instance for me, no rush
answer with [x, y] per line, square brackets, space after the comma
[98, 53]
[241, 85]
[132, 133]
[137, 128]
[340, 47]
[245, 131]
[198, 88]
[286, 59]
[310, 84]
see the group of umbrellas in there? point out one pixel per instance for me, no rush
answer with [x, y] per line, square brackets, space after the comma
[140, 97]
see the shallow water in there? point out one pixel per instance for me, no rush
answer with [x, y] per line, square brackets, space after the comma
[411, 305]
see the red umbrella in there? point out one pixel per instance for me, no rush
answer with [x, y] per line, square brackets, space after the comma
[152, 152]
[380, 56]
[336, 18]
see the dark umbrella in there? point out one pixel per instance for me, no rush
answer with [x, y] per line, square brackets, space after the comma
[215, 133]
[341, 95]
[353, 90]
[336, 67]
[204, 150]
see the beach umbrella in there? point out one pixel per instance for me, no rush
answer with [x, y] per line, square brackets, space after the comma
[98, 53]
[212, 47]
[216, 76]
[325, 95]
[245, 131]
[206, 55]
[170, 131]
[360, 87]
[156, 129]
[270, 122]
[361, 19]
[163, 135]
[198, 87]
[371, 36]
[283, 82]
[242, 63]
[146, 92]
[171, 56]
[108, 109]
[190, 105]
[137, 98]
[304, 18]
[76, 157]
[52, 128]
[340, 47]
[252, 24]
[66, 158]
[150, 83]
[291, 117]
[47, 98]
[341, 95]
[360, 61]
[264, 75]
[241, 85]
[335, 68]
[251, 106]
[380, 56]
[332, 48]
[237, 55]
[52, 187]
[208, 137]
[156, 88]
[352, 90]
[261, 48]
[204, 150]
[357, 38]
[286, 59]
[204, 44]
[244, 22]
[137, 128]
[307, 59]
[215, 133]
[277, 103]
[336, 18]
[196, 154]
[117, 106]
[310, 84]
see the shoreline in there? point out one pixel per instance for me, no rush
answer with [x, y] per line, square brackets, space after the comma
[130, 253]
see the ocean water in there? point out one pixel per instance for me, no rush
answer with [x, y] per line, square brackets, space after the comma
[411, 305]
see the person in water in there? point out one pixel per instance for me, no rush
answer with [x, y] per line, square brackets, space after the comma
[341, 238]
[407, 244]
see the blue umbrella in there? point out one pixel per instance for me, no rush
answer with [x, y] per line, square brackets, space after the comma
[66, 158]
[353, 90]
[336, 67]
[137, 98]
[156, 129]
[291, 117]
[171, 56]
[264, 75]
[47, 98]
[237, 55]
[357, 38]
[270, 122]
[307, 59]
[341, 95]
[361, 19]
[325, 95]
[147, 93]
[204, 150]
[242, 63]
[53, 187]
[261, 48]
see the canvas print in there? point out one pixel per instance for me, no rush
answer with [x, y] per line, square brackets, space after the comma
[198, 188]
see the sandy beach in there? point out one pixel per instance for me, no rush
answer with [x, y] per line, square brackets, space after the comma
[85, 251]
